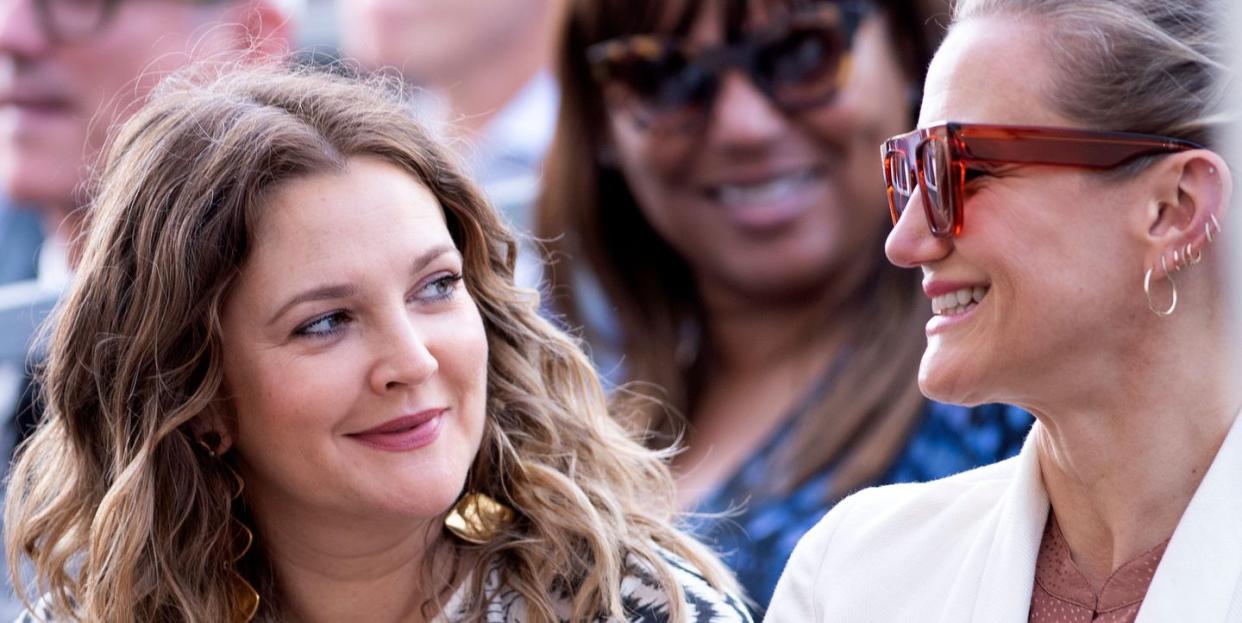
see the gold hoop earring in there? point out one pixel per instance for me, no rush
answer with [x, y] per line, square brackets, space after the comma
[477, 518]
[1163, 313]
[247, 599]
[247, 604]
[210, 443]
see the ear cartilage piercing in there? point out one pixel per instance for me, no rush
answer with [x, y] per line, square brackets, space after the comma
[1208, 227]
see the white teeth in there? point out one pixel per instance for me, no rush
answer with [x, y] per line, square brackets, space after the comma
[764, 192]
[958, 301]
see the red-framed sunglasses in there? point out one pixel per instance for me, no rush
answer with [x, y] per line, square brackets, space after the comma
[936, 160]
[666, 84]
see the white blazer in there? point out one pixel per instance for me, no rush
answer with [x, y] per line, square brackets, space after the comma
[963, 548]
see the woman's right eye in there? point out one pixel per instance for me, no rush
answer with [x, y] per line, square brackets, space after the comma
[323, 326]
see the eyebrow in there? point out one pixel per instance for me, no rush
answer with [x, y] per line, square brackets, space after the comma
[346, 290]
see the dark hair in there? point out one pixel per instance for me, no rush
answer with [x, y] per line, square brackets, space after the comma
[589, 216]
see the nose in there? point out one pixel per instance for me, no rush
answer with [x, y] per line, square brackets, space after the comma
[743, 115]
[21, 32]
[403, 359]
[911, 244]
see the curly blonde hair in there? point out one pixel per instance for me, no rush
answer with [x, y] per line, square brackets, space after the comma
[125, 520]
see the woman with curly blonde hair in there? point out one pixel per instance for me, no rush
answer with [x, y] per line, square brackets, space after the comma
[294, 381]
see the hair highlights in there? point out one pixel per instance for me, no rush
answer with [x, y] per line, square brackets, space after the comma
[125, 520]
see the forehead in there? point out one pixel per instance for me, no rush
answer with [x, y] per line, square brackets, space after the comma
[360, 215]
[689, 18]
[992, 70]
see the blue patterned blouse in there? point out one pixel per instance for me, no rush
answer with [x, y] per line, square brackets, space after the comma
[756, 541]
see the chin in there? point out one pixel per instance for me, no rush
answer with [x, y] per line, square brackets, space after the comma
[943, 382]
[429, 495]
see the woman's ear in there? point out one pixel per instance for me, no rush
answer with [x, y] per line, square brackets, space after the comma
[213, 431]
[1190, 194]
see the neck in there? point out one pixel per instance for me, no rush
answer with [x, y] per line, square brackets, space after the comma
[750, 335]
[1120, 467]
[343, 570]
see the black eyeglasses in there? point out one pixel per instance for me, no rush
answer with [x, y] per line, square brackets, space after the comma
[68, 20]
[799, 62]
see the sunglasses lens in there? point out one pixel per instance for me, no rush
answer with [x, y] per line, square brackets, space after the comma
[659, 86]
[899, 181]
[937, 186]
[803, 68]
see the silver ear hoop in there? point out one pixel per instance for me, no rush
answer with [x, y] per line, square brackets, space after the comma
[1163, 313]
[1208, 227]
[1193, 254]
[1177, 260]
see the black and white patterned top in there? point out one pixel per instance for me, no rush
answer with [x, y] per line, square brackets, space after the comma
[641, 595]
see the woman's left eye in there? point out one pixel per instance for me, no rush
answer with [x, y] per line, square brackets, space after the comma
[441, 289]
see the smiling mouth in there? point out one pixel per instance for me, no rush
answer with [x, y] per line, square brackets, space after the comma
[959, 301]
[767, 190]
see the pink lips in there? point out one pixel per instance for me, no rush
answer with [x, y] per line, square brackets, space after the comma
[405, 433]
[939, 323]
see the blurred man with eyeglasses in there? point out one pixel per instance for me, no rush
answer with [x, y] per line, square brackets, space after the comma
[70, 70]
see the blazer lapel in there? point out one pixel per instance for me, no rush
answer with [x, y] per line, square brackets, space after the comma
[1008, 572]
[1200, 575]
[993, 582]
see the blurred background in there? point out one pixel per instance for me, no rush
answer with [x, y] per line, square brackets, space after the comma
[482, 75]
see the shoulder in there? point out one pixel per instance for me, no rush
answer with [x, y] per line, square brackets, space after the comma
[649, 602]
[875, 536]
[644, 598]
[40, 612]
[913, 514]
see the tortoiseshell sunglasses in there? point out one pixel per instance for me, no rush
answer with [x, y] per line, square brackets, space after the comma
[668, 85]
[936, 160]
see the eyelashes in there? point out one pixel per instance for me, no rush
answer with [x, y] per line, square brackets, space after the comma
[334, 322]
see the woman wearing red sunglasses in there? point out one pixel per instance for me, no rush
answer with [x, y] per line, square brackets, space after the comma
[1063, 204]
[714, 170]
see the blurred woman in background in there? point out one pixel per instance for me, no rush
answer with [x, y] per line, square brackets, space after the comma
[294, 380]
[1065, 173]
[714, 170]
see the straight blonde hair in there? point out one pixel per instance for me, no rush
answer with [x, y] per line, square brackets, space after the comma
[1131, 65]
